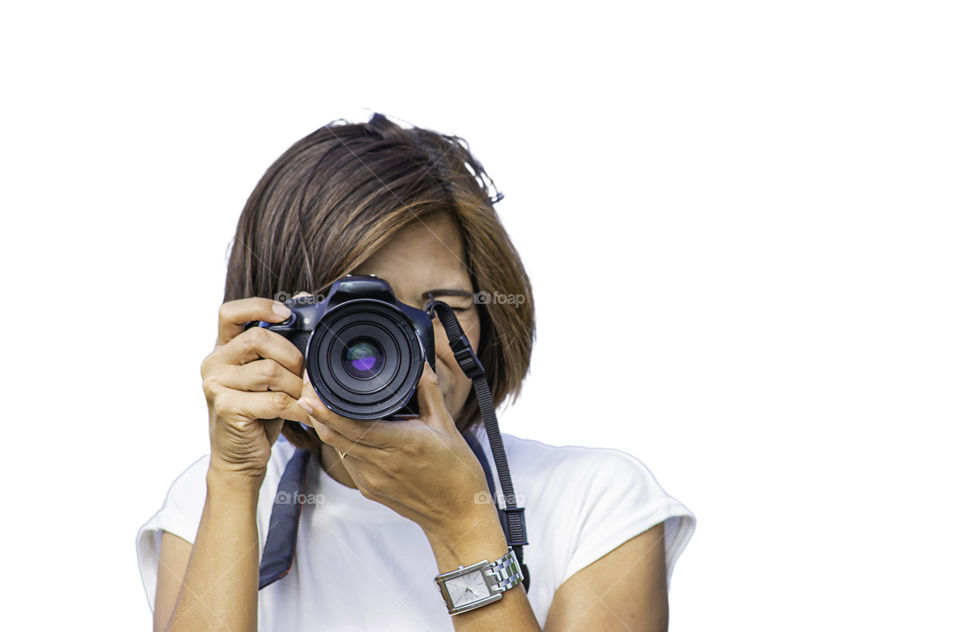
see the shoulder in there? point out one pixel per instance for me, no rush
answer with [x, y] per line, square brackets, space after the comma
[179, 514]
[587, 484]
[182, 509]
[183, 505]
[578, 467]
[184, 499]
[591, 499]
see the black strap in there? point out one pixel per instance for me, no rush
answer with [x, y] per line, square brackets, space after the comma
[281, 545]
[511, 516]
[482, 457]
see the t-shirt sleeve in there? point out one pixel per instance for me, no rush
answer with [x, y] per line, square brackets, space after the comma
[623, 499]
[179, 515]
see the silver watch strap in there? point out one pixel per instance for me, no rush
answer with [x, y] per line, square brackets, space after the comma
[506, 571]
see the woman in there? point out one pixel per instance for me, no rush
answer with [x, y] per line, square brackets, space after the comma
[388, 506]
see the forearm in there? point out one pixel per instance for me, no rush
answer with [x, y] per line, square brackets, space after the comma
[219, 589]
[482, 538]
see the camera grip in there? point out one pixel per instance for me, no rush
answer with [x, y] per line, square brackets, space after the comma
[298, 337]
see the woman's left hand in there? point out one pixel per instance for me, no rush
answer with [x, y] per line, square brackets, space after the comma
[421, 468]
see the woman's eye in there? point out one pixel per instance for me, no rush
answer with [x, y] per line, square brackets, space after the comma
[458, 309]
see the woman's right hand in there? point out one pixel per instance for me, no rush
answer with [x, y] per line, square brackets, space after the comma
[252, 381]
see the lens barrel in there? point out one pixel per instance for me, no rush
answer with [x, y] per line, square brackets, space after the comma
[365, 359]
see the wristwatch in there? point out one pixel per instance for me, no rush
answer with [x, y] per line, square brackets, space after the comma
[470, 587]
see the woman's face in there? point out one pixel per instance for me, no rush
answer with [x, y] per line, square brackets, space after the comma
[423, 258]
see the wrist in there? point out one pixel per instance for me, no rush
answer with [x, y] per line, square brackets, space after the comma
[473, 538]
[224, 481]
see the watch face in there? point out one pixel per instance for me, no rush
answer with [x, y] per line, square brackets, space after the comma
[467, 588]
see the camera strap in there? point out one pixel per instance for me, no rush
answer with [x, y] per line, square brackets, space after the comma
[281, 546]
[511, 517]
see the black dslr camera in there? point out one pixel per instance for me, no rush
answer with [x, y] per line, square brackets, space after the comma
[363, 349]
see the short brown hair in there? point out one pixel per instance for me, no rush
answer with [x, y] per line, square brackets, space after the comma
[336, 196]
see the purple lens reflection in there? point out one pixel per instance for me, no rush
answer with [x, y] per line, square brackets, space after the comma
[364, 364]
[363, 359]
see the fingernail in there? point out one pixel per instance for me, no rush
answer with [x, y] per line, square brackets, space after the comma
[304, 405]
[280, 309]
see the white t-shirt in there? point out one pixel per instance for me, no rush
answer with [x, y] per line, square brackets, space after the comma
[361, 566]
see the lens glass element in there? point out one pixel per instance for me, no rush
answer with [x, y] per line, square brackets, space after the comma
[363, 359]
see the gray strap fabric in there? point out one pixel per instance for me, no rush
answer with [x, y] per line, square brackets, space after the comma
[281, 545]
[478, 451]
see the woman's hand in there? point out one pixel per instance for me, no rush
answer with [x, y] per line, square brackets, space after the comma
[252, 381]
[421, 468]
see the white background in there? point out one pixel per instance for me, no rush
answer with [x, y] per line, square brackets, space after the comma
[739, 218]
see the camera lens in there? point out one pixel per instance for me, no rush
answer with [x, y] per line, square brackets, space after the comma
[363, 359]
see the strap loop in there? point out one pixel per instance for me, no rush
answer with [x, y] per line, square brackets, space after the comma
[511, 517]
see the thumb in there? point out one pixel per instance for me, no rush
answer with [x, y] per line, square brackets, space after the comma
[273, 428]
[430, 397]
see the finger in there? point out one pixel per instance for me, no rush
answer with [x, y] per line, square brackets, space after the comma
[375, 433]
[234, 315]
[430, 398]
[273, 428]
[343, 445]
[256, 343]
[268, 405]
[265, 374]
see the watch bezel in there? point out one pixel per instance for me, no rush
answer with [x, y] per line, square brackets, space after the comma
[486, 571]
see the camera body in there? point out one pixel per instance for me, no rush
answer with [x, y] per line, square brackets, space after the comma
[363, 349]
